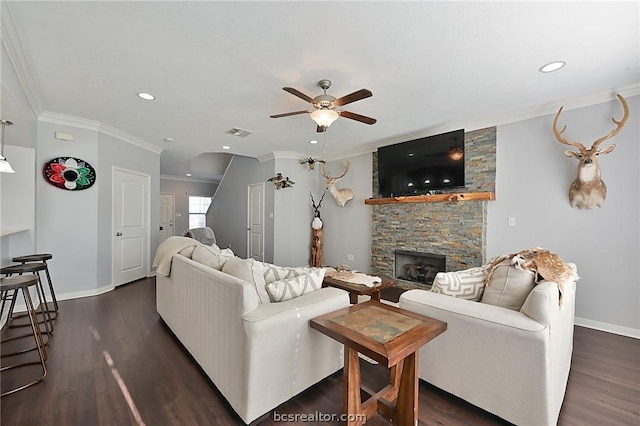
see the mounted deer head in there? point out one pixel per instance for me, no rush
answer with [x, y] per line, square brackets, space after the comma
[342, 196]
[588, 190]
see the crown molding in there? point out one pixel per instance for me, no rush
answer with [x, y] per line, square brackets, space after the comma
[15, 52]
[97, 126]
[281, 155]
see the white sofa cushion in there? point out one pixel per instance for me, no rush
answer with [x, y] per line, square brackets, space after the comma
[248, 270]
[508, 287]
[467, 284]
[187, 251]
[213, 257]
[289, 288]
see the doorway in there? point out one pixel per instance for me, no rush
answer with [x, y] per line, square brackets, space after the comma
[255, 221]
[130, 227]
[167, 215]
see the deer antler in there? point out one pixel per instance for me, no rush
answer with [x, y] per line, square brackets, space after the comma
[559, 136]
[619, 124]
[325, 173]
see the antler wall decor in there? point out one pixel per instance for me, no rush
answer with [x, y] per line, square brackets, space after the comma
[342, 196]
[588, 190]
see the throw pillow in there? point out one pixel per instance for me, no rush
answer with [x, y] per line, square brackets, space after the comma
[248, 270]
[508, 287]
[467, 284]
[286, 289]
[205, 255]
[276, 273]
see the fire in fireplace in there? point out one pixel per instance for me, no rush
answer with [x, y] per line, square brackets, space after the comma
[418, 267]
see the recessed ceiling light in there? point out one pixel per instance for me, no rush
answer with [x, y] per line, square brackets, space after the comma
[552, 66]
[188, 174]
[146, 96]
[169, 140]
[226, 147]
[313, 142]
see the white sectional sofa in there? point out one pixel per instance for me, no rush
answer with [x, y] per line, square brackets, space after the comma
[257, 354]
[511, 362]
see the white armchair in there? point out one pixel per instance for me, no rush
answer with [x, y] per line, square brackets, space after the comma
[514, 364]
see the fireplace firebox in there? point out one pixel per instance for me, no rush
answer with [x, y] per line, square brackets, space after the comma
[418, 268]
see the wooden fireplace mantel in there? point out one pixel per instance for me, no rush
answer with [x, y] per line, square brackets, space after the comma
[436, 198]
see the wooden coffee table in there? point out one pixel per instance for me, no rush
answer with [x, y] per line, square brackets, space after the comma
[356, 290]
[391, 336]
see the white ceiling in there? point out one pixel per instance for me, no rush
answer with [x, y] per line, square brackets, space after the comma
[432, 67]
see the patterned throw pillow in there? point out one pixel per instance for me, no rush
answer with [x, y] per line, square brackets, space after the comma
[467, 284]
[276, 273]
[250, 271]
[508, 287]
[289, 288]
[210, 257]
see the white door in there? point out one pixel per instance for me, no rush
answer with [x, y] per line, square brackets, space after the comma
[167, 215]
[255, 221]
[130, 248]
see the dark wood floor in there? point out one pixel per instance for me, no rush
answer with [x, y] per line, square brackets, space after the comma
[166, 387]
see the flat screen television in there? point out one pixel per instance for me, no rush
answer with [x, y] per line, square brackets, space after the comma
[422, 165]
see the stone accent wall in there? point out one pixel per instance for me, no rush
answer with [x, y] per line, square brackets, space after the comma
[457, 231]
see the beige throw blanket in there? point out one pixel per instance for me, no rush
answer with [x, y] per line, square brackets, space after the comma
[167, 249]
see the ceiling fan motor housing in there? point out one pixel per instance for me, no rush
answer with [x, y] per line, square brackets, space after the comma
[324, 101]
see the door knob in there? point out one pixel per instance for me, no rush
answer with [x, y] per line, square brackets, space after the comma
[118, 234]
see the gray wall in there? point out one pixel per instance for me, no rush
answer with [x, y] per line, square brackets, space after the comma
[347, 230]
[182, 189]
[533, 179]
[75, 226]
[227, 215]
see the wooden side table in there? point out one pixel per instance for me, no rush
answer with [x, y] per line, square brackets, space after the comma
[356, 290]
[391, 336]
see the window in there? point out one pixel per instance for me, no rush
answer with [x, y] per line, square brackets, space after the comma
[198, 207]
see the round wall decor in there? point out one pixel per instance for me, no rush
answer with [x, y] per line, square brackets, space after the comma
[69, 173]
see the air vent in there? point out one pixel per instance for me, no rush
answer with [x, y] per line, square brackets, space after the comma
[238, 132]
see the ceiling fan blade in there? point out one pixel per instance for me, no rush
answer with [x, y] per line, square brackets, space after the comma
[321, 129]
[355, 96]
[286, 114]
[358, 117]
[296, 92]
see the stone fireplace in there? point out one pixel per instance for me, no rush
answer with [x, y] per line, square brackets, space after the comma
[456, 231]
[418, 268]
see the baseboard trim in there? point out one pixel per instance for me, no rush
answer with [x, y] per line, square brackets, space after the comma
[68, 296]
[609, 328]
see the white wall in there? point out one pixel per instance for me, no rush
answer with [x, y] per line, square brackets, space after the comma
[533, 179]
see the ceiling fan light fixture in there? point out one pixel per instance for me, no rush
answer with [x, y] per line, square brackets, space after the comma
[324, 117]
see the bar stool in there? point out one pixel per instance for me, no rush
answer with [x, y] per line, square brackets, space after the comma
[41, 257]
[23, 283]
[35, 269]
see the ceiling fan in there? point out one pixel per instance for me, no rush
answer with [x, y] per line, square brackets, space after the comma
[324, 112]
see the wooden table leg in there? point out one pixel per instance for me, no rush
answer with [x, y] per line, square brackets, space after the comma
[407, 402]
[352, 380]
[376, 295]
